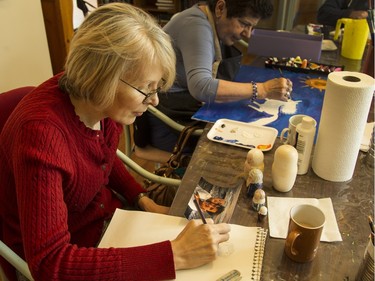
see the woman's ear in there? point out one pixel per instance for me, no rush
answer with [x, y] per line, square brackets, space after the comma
[220, 8]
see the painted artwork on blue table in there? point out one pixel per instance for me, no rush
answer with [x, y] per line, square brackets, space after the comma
[307, 98]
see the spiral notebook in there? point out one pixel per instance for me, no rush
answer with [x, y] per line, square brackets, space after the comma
[243, 252]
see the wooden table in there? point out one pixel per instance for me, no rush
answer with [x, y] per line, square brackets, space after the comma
[352, 201]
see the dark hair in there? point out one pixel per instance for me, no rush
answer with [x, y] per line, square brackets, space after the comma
[243, 8]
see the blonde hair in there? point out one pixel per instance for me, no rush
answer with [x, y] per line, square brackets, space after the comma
[116, 40]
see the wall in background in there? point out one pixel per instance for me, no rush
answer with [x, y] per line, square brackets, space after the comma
[24, 55]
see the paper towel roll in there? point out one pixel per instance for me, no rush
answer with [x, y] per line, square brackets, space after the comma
[345, 109]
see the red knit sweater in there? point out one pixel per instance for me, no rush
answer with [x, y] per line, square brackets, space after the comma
[54, 194]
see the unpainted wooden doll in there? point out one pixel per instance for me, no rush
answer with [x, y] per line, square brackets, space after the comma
[259, 199]
[262, 213]
[254, 181]
[254, 159]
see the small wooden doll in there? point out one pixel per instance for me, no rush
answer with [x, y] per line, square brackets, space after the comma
[259, 199]
[254, 159]
[254, 181]
[262, 213]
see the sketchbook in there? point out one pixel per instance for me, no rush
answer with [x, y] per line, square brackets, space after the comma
[243, 252]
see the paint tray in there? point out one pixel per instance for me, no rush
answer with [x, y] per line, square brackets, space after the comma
[242, 134]
[290, 64]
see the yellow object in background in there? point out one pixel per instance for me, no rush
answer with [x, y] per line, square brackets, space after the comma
[356, 33]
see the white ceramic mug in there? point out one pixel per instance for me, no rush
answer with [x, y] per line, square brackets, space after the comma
[290, 132]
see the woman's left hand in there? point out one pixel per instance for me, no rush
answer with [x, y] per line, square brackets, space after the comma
[149, 205]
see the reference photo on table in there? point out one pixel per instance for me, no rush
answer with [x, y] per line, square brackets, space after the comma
[216, 202]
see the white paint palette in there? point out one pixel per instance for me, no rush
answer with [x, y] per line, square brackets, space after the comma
[242, 134]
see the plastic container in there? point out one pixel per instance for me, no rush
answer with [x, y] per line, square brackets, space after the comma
[305, 134]
[356, 33]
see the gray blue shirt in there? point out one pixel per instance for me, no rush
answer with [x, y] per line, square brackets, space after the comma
[193, 42]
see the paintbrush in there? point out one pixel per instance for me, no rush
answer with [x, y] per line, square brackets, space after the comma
[371, 223]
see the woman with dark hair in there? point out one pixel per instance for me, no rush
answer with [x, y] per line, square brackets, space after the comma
[203, 38]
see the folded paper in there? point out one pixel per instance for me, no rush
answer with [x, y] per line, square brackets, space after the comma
[279, 213]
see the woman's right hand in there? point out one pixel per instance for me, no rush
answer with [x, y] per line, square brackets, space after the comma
[198, 243]
[277, 89]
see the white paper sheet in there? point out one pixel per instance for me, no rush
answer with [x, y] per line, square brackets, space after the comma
[279, 211]
[144, 228]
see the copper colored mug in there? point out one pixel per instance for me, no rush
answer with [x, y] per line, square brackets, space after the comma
[305, 229]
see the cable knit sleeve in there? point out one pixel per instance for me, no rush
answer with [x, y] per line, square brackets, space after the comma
[123, 182]
[53, 182]
[120, 179]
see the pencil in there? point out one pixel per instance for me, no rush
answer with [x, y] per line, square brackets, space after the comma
[371, 223]
[196, 198]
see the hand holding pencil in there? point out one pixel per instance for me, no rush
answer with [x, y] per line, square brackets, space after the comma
[198, 243]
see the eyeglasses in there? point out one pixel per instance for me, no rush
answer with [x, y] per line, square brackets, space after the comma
[245, 24]
[150, 94]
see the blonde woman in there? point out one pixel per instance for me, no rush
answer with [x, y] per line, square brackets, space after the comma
[59, 165]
